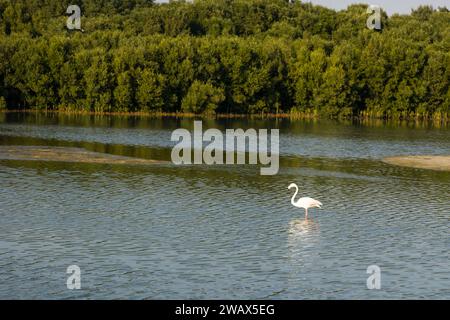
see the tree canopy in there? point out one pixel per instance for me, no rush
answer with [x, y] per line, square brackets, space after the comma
[224, 56]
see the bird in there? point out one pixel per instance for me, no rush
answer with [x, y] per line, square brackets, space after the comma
[305, 202]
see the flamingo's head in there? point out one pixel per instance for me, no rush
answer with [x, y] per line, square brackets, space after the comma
[292, 185]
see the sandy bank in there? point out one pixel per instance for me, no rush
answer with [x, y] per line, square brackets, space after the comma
[441, 163]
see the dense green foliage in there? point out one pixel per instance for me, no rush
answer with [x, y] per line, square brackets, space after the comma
[225, 56]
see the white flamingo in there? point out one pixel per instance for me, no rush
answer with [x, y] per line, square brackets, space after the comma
[304, 203]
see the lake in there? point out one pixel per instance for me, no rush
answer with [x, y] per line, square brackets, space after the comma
[223, 232]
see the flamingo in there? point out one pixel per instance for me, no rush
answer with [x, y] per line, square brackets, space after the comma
[304, 203]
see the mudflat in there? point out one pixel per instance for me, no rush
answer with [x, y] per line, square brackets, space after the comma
[65, 154]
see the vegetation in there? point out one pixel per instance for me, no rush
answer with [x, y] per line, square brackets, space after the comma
[224, 56]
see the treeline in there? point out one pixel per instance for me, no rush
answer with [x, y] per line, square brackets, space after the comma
[224, 56]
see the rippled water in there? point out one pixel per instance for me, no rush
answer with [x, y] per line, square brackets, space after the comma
[163, 231]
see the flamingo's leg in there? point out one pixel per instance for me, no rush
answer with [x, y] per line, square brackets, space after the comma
[306, 213]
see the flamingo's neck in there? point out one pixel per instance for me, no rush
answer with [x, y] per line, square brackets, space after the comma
[295, 194]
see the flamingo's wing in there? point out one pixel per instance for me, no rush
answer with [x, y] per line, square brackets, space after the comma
[311, 203]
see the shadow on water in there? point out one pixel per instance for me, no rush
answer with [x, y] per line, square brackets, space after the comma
[157, 122]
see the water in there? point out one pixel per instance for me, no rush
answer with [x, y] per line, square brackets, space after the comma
[197, 232]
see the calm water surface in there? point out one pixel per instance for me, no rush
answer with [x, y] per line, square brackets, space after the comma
[155, 232]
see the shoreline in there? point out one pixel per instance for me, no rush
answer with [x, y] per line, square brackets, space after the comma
[291, 116]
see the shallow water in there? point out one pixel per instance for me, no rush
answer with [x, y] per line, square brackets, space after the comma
[174, 232]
